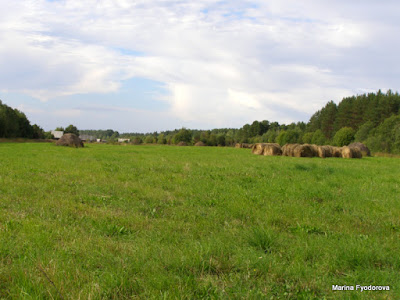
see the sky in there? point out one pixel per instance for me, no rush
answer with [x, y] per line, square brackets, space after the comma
[154, 65]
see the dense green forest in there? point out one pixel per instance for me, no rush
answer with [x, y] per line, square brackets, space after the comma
[373, 119]
[14, 123]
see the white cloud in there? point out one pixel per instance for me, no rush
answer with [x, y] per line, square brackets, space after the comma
[222, 62]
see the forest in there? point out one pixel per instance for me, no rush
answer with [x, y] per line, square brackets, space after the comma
[373, 119]
[15, 124]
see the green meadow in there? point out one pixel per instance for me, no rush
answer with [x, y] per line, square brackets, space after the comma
[166, 222]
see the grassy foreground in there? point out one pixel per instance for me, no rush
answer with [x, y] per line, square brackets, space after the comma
[143, 222]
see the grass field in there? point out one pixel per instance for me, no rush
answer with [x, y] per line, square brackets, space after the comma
[151, 222]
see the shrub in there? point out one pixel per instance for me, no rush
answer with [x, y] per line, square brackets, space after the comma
[318, 138]
[344, 136]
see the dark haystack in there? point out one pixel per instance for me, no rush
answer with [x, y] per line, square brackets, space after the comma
[272, 150]
[314, 149]
[71, 140]
[199, 144]
[305, 150]
[363, 149]
[336, 151]
[258, 148]
[288, 149]
[182, 144]
[247, 146]
[348, 152]
[244, 145]
[325, 151]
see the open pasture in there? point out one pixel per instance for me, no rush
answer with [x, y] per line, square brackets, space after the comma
[150, 222]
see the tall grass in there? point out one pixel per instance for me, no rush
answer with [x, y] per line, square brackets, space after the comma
[123, 222]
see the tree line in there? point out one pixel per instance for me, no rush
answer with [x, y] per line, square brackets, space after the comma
[15, 124]
[371, 118]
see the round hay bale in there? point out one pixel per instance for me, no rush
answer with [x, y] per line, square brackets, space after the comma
[182, 144]
[272, 150]
[312, 149]
[247, 146]
[199, 144]
[348, 152]
[324, 151]
[258, 148]
[363, 149]
[238, 145]
[305, 150]
[70, 140]
[336, 151]
[288, 149]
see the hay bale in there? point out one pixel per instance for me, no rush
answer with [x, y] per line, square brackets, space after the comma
[258, 148]
[238, 145]
[272, 150]
[336, 151]
[314, 149]
[182, 144]
[324, 151]
[288, 149]
[348, 152]
[305, 150]
[361, 147]
[199, 144]
[247, 146]
[71, 140]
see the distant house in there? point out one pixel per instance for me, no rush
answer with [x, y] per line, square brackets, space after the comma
[57, 134]
[98, 140]
[87, 138]
[124, 140]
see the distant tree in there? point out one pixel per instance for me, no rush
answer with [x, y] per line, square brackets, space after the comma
[307, 137]
[281, 139]
[221, 140]
[212, 141]
[318, 138]
[292, 136]
[184, 135]
[364, 131]
[149, 139]
[71, 129]
[269, 136]
[137, 141]
[328, 116]
[196, 137]
[59, 129]
[38, 133]
[48, 135]
[344, 136]
[161, 139]
[386, 137]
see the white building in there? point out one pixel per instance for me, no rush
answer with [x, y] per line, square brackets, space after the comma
[124, 140]
[57, 134]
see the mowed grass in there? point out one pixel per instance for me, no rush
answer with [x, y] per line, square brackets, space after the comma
[151, 222]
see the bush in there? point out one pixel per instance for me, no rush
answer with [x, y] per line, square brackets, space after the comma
[307, 137]
[72, 129]
[281, 139]
[344, 136]
[318, 138]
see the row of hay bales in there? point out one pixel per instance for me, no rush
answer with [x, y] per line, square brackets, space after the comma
[307, 150]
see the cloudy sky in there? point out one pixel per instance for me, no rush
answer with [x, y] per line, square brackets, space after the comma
[152, 65]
